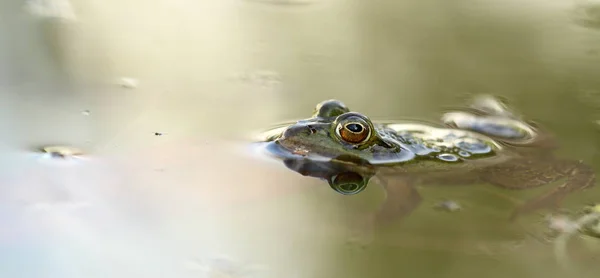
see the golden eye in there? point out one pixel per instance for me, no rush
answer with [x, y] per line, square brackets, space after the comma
[353, 132]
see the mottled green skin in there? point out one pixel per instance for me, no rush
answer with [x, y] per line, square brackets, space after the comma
[407, 145]
[504, 151]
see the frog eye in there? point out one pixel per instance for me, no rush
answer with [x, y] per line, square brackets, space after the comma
[354, 130]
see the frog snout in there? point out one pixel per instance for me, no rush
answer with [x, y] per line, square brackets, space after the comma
[297, 130]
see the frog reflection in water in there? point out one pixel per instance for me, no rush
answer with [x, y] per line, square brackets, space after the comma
[483, 144]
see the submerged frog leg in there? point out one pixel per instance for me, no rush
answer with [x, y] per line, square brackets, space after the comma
[401, 198]
[458, 178]
[528, 173]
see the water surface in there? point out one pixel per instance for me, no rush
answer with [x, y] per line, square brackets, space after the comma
[209, 73]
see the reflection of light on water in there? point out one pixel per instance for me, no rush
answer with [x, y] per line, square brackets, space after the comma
[66, 206]
[57, 156]
[115, 215]
[224, 267]
[59, 9]
[125, 220]
[50, 181]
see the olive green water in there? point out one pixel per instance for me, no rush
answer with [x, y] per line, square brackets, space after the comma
[212, 72]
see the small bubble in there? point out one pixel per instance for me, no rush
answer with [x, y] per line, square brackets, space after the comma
[86, 112]
[448, 157]
[464, 153]
[420, 149]
[504, 130]
[474, 146]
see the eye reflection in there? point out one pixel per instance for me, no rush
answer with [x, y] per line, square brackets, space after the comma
[348, 183]
[346, 175]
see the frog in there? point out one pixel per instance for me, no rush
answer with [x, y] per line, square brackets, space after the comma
[484, 143]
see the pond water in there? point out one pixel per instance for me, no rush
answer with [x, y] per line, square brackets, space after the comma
[163, 99]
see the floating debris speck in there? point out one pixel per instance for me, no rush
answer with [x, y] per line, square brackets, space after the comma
[562, 224]
[263, 78]
[61, 151]
[448, 205]
[129, 83]
[85, 112]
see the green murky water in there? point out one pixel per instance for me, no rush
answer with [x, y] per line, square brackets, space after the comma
[162, 97]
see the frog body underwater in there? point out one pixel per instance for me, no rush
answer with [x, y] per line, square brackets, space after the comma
[484, 144]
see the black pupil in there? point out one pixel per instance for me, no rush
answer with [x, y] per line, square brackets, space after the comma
[356, 128]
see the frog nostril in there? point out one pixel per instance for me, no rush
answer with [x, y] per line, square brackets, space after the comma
[311, 129]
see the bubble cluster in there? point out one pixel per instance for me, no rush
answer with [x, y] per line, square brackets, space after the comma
[500, 127]
[473, 146]
[446, 144]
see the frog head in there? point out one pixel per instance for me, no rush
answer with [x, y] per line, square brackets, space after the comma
[334, 132]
